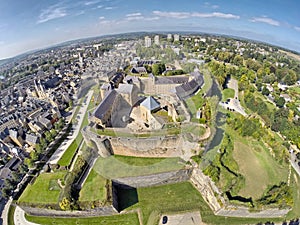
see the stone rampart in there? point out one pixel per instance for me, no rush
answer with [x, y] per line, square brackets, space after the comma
[151, 146]
[155, 179]
[101, 211]
[220, 207]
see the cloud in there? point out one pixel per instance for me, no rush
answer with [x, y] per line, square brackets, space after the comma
[265, 20]
[91, 2]
[209, 5]
[133, 14]
[99, 6]
[131, 18]
[152, 18]
[183, 15]
[80, 13]
[177, 15]
[216, 14]
[297, 28]
[52, 12]
[101, 18]
[109, 8]
[139, 16]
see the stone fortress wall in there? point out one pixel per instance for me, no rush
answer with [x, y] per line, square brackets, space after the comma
[167, 146]
[193, 174]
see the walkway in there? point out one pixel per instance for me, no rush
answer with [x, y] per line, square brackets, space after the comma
[189, 218]
[19, 217]
[65, 145]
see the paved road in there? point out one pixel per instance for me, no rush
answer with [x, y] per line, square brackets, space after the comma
[76, 127]
[189, 218]
[19, 217]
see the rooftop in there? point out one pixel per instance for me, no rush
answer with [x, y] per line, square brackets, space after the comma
[150, 103]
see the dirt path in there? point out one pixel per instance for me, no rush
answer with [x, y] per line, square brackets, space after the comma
[207, 133]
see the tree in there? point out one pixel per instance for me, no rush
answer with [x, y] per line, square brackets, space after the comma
[38, 148]
[34, 155]
[5, 192]
[290, 78]
[280, 102]
[259, 86]
[265, 91]
[155, 69]
[70, 103]
[28, 162]
[53, 133]
[48, 136]
[238, 60]
[65, 204]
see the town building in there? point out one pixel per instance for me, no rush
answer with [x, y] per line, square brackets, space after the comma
[148, 42]
[156, 39]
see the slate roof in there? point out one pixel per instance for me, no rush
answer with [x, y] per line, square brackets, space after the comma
[150, 103]
[125, 88]
[172, 80]
[30, 138]
[106, 104]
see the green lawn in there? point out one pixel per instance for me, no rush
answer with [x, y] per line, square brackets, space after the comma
[93, 188]
[10, 216]
[208, 81]
[195, 102]
[43, 190]
[68, 155]
[294, 89]
[227, 93]
[124, 219]
[295, 184]
[253, 161]
[124, 166]
[137, 161]
[154, 201]
[169, 129]
[270, 106]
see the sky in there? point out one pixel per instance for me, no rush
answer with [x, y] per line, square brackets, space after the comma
[27, 25]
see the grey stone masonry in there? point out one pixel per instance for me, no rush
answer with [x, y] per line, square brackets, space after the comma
[156, 179]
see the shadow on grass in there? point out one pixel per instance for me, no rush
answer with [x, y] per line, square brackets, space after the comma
[124, 196]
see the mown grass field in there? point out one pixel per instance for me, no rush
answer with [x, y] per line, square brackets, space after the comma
[10, 215]
[44, 190]
[180, 197]
[93, 188]
[68, 155]
[295, 184]
[195, 102]
[153, 202]
[227, 93]
[259, 169]
[124, 166]
[124, 219]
